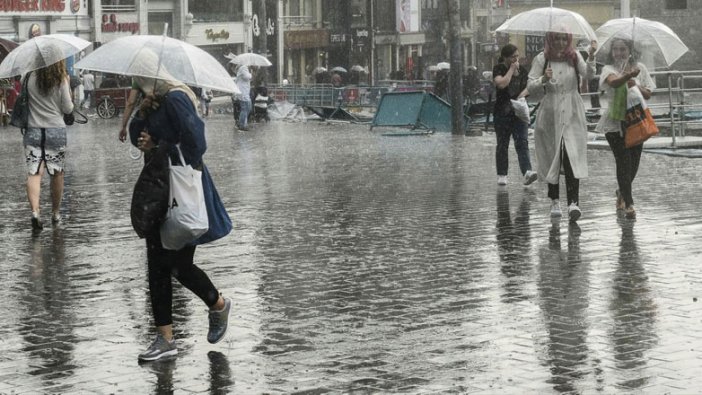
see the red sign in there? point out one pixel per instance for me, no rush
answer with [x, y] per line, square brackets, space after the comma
[110, 25]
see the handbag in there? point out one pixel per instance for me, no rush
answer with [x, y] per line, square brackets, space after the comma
[521, 109]
[150, 196]
[69, 119]
[186, 219]
[638, 122]
[20, 112]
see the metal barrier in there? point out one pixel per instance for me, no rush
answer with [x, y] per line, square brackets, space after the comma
[347, 96]
[675, 106]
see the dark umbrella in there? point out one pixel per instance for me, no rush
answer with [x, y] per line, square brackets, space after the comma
[6, 46]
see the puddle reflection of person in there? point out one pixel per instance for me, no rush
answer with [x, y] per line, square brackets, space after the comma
[513, 244]
[563, 286]
[632, 306]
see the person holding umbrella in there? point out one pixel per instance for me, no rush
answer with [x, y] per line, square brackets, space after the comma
[510, 83]
[168, 115]
[560, 130]
[45, 138]
[623, 71]
[243, 82]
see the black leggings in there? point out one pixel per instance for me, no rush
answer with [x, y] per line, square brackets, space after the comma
[627, 161]
[572, 183]
[162, 265]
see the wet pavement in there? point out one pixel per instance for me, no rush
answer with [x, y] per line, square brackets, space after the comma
[359, 263]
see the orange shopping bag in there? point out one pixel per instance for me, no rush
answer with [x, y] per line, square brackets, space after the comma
[638, 122]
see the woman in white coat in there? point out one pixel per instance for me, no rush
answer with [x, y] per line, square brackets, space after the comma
[560, 131]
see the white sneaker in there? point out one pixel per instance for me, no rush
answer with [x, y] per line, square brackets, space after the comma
[555, 208]
[530, 177]
[501, 180]
[574, 212]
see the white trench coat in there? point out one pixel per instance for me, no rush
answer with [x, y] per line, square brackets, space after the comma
[560, 119]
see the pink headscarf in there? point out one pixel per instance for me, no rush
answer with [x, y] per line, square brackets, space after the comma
[568, 54]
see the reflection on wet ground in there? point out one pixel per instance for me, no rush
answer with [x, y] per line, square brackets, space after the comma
[358, 263]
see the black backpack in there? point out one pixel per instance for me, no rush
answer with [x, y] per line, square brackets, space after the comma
[20, 112]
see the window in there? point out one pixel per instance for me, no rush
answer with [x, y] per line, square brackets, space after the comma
[157, 22]
[675, 4]
[118, 5]
[216, 10]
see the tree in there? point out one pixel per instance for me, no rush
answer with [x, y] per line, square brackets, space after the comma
[455, 77]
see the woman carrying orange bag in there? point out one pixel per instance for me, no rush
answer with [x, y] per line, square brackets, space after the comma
[622, 72]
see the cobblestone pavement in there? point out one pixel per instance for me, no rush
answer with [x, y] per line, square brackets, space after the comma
[359, 263]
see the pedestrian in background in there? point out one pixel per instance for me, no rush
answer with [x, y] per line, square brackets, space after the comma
[510, 83]
[560, 128]
[88, 90]
[45, 138]
[243, 82]
[168, 115]
[623, 69]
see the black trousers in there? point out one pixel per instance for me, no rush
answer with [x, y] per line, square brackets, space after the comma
[572, 183]
[627, 162]
[163, 264]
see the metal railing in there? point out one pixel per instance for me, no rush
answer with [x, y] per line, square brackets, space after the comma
[677, 106]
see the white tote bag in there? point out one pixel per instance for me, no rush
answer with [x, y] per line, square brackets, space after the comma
[186, 219]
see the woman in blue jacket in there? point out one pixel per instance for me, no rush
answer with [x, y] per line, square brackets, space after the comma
[168, 116]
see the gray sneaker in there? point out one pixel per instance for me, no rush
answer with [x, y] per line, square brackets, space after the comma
[160, 348]
[218, 322]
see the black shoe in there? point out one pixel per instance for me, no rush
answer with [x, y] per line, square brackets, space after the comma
[36, 222]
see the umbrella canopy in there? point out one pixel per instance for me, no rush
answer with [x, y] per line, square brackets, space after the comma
[432, 68]
[359, 68]
[6, 46]
[443, 66]
[539, 21]
[318, 70]
[657, 44]
[40, 51]
[339, 69]
[250, 59]
[174, 59]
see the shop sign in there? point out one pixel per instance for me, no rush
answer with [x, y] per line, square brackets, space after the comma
[298, 39]
[111, 25]
[337, 38]
[43, 7]
[256, 26]
[211, 34]
[534, 45]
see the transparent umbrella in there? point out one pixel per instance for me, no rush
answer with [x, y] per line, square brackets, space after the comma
[443, 66]
[539, 21]
[249, 59]
[40, 51]
[359, 68]
[339, 69]
[656, 44]
[174, 59]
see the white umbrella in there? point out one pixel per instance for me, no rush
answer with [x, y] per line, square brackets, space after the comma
[432, 68]
[250, 59]
[339, 69]
[359, 68]
[443, 66]
[41, 51]
[174, 59]
[539, 21]
[318, 70]
[657, 44]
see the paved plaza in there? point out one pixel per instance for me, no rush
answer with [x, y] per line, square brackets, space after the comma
[359, 263]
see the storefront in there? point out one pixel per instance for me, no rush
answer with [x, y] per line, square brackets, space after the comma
[303, 51]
